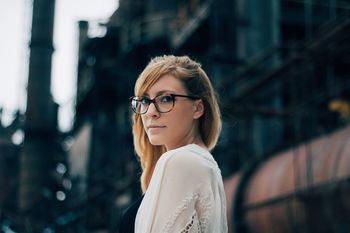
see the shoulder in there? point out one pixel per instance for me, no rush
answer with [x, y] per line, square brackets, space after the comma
[189, 159]
[185, 170]
[184, 155]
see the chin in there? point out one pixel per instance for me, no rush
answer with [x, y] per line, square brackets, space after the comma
[156, 141]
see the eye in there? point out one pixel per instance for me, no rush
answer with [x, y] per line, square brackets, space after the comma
[144, 100]
[166, 99]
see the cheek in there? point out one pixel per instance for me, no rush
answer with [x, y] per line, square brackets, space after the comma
[180, 123]
[143, 120]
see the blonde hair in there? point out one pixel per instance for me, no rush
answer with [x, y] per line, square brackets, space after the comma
[196, 82]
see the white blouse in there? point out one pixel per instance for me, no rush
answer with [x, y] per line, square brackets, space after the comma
[186, 194]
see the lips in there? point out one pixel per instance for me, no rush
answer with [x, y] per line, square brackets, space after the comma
[155, 126]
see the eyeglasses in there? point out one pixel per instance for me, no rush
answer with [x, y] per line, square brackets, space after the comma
[164, 103]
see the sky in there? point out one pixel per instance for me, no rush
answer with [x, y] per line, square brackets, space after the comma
[15, 24]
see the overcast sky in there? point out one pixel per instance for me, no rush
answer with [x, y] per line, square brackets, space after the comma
[15, 20]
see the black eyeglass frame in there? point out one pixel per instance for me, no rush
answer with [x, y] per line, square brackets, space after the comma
[133, 98]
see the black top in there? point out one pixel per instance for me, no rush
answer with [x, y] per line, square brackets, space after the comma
[127, 221]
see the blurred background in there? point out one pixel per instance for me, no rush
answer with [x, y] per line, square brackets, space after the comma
[281, 71]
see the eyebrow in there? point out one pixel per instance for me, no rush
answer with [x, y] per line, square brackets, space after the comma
[161, 92]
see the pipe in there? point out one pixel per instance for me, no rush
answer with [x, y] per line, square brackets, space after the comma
[303, 189]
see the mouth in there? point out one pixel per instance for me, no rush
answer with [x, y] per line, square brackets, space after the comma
[155, 127]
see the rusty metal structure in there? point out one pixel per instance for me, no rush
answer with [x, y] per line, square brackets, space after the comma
[295, 190]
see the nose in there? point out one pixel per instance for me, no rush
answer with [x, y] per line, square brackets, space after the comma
[152, 111]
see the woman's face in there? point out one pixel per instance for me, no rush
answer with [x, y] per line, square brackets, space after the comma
[177, 127]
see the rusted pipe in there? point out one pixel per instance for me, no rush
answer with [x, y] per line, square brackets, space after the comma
[303, 189]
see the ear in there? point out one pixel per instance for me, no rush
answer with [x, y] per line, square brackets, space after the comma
[198, 109]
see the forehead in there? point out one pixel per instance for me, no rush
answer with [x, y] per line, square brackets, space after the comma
[166, 83]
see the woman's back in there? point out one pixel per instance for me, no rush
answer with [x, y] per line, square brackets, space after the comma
[185, 194]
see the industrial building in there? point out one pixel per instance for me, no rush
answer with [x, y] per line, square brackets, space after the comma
[281, 71]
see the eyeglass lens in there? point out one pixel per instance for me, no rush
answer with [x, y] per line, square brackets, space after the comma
[163, 103]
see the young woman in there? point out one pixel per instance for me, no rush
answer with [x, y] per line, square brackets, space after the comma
[176, 123]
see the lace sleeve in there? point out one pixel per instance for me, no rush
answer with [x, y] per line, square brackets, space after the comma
[185, 195]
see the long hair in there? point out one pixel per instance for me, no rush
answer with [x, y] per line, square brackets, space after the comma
[196, 82]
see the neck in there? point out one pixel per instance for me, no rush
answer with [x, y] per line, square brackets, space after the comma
[195, 139]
